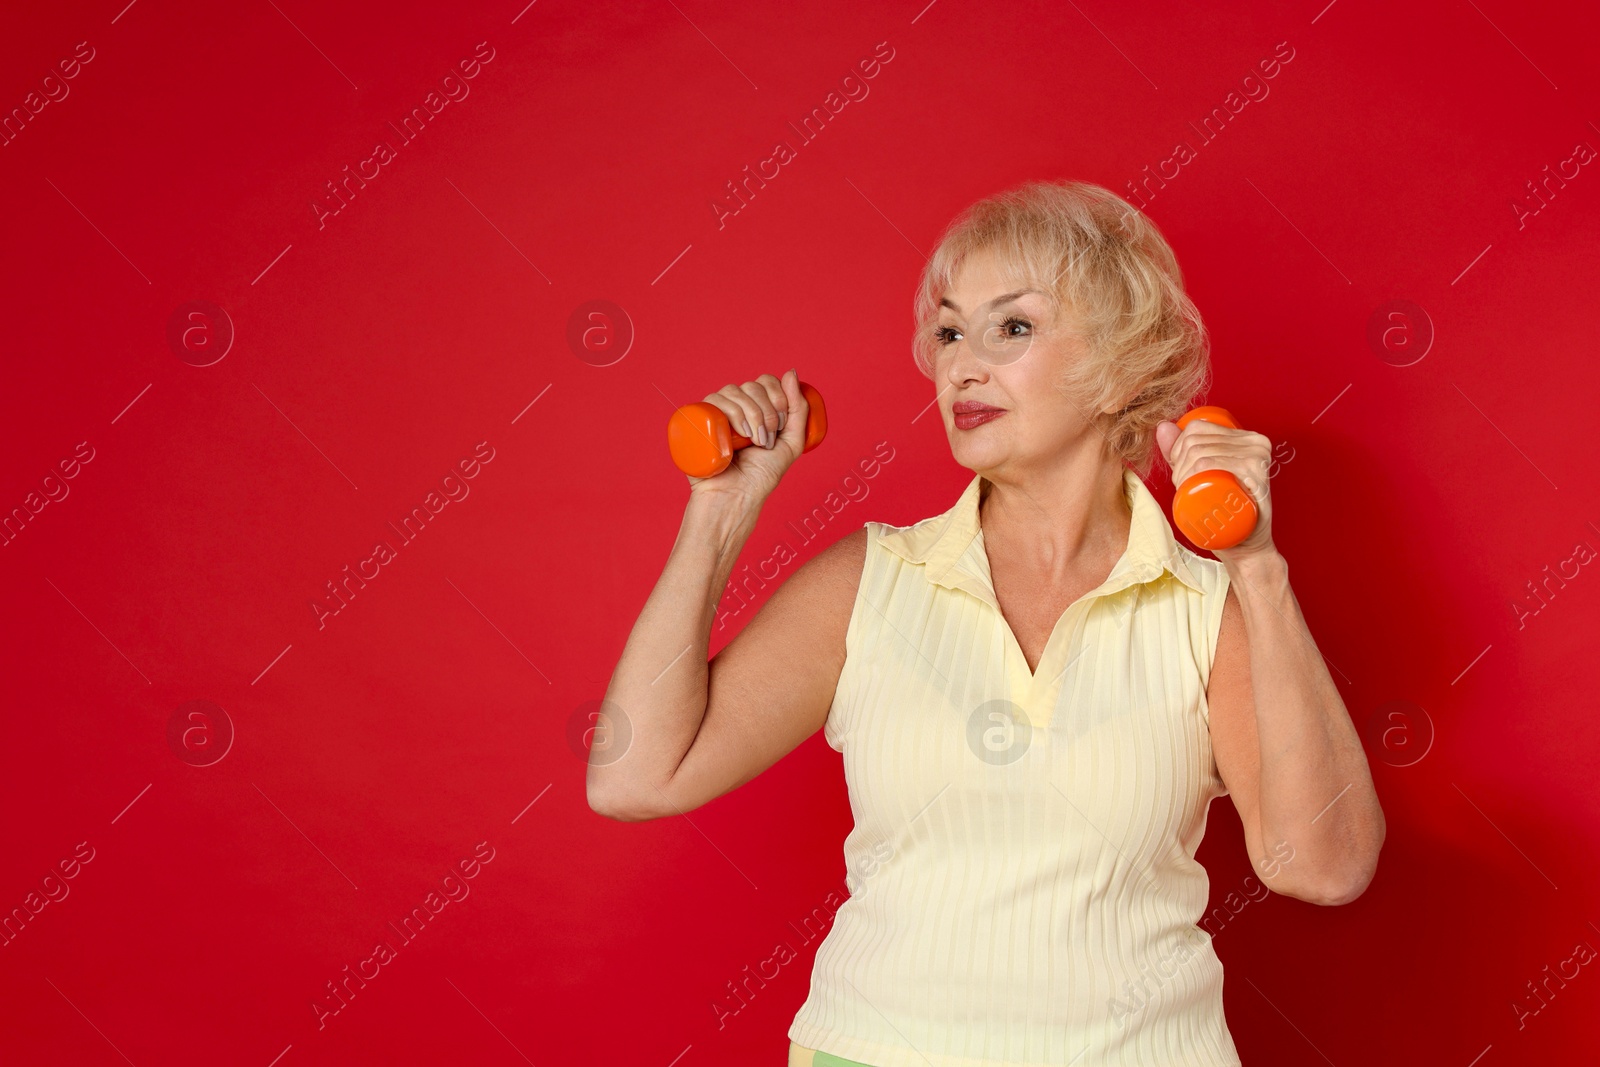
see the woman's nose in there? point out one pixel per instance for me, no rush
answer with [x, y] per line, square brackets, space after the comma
[966, 365]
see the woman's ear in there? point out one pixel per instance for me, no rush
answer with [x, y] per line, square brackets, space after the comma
[1117, 409]
[1129, 400]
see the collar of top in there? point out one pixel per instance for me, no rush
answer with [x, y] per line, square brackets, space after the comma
[951, 545]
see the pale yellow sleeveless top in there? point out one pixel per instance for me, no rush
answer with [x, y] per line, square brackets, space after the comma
[1022, 873]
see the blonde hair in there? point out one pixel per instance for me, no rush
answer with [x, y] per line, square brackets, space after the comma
[1107, 264]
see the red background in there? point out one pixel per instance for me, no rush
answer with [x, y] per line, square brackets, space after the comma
[375, 352]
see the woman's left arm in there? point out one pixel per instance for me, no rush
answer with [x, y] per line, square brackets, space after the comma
[1282, 738]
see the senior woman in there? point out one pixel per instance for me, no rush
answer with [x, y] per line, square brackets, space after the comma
[1037, 693]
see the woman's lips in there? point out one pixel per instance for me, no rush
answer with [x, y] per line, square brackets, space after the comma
[969, 419]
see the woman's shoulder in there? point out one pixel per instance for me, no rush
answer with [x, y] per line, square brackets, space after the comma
[945, 532]
[838, 565]
[885, 528]
[1208, 573]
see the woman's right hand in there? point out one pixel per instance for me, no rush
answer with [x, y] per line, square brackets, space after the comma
[772, 412]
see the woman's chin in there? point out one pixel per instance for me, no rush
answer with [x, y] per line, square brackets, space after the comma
[976, 455]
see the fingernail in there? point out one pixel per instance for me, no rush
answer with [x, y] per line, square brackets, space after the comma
[767, 440]
[746, 429]
[783, 417]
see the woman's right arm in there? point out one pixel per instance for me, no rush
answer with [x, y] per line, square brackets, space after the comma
[680, 731]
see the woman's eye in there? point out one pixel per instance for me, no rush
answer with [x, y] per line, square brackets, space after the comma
[1008, 327]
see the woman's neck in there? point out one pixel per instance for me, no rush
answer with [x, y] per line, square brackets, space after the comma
[1061, 522]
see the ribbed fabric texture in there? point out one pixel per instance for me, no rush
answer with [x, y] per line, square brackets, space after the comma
[1022, 873]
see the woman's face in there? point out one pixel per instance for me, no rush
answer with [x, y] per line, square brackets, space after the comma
[998, 362]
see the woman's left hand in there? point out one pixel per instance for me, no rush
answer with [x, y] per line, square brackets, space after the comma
[1245, 454]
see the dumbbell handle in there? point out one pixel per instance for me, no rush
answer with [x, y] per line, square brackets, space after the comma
[702, 441]
[1211, 508]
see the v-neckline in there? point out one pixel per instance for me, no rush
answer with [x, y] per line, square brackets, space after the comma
[1032, 674]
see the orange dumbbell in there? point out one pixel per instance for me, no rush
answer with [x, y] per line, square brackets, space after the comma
[702, 442]
[1211, 507]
